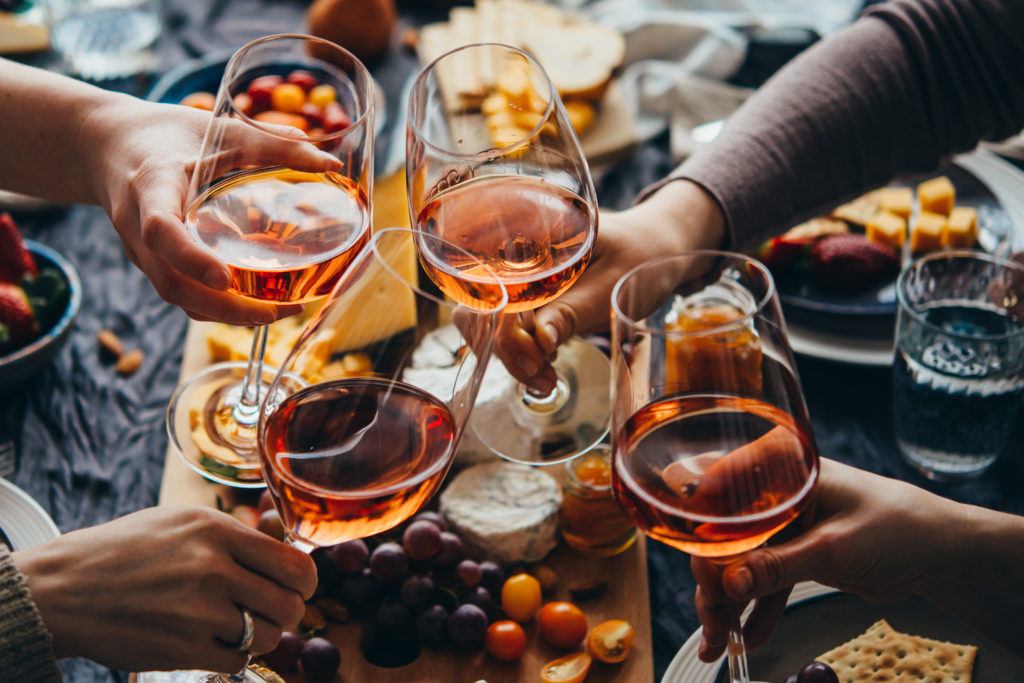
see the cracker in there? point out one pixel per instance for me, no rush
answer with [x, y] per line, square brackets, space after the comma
[884, 655]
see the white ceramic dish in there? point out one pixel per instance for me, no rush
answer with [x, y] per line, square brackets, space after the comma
[23, 520]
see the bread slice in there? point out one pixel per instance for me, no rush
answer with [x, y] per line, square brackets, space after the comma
[17, 35]
[579, 58]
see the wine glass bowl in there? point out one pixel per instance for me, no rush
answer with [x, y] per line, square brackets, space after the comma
[283, 200]
[712, 445]
[494, 167]
[362, 449]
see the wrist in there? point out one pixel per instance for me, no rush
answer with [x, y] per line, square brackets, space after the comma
[686, 215]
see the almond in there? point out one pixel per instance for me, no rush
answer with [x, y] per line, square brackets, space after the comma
[129, 362]
[110, 344]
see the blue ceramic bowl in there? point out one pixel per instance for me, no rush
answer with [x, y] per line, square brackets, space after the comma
[19, 365]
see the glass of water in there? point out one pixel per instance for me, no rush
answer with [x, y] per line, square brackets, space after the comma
[104, 39]
[959, 369]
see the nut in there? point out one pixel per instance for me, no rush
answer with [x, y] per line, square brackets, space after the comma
[586, 589]
[128, 363]
[333, 610]
[313, 621]
[546, 576]
[110, 344]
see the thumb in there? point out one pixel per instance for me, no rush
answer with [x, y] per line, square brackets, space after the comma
[580, 310]
[767, 571]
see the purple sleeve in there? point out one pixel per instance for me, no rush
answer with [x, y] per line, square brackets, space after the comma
[908, 84]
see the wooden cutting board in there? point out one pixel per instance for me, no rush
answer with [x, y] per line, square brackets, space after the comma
[627, 596]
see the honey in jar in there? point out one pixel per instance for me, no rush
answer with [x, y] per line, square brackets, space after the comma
[591, 521]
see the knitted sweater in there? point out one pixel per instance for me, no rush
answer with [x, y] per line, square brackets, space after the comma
[909, 83]
[26, 652]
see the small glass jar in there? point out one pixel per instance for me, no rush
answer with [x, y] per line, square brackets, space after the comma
[590, 519]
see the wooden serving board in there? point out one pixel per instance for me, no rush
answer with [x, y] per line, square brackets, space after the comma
[627, 596]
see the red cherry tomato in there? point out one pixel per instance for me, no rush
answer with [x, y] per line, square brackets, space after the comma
[336, 118]
[562, 624]
[260, 89]
[611, 641]
[505, 640]
[520, 597]
[304, 79]
[568, 669]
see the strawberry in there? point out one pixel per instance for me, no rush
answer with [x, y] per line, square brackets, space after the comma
[851, 262]
[782, 252]
[15, 260]
[16, 314]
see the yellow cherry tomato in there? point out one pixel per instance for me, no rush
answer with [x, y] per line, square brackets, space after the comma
[568, 669]
[287, 97]
[520, 597]
[322, 95]
[611, 641]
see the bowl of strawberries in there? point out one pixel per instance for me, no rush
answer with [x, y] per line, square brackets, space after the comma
[40, 294]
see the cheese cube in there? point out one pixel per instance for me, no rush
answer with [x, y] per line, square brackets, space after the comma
[928, 232]
[887, 228]
[962, 230]
[937, 195]
[897, 200]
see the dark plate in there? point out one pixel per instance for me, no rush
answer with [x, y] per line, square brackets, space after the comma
[799, 293]
[819, 624]
[203, 74]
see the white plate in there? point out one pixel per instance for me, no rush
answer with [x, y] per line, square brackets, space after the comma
[687, 668]
[23, 520]
[841, 348]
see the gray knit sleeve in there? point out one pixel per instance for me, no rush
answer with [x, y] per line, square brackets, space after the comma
[26, 651]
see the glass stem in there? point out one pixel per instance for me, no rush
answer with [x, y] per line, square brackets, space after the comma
[735, 650]
[247, 410]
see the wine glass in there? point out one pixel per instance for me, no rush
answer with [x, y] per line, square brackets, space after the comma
[286, 212]
[369, 441]
[712, 450]
[493, 165]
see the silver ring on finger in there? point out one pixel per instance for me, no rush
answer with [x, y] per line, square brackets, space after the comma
[248, 632]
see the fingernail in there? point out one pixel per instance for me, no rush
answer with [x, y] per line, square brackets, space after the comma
[216, 278]
[529, 367]
[552, 333]
[331, 162]
[266, 317]
[744, 580]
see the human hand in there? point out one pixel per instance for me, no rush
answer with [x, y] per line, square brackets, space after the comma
[678, 217]
[163, 589]
[141, 156]
[879, 538]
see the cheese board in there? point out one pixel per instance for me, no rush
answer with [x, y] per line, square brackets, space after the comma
[625, 574]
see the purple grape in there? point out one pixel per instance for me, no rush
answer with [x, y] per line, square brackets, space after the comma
[432, 626]
[394, 617]
[467, 625]
[451, 551]
[492, 576]
[349, 557]
[422, 539]
[285, 657]
[469, 573]
[417, 590]
[481, 597]
[817, 672]
[388, 562]
[359, 592]
[435, 518]
[320, 659]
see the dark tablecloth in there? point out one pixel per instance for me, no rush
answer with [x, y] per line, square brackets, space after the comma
[90, 444]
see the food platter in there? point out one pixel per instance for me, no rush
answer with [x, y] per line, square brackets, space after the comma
[23, 520]
[819, 618]
[797, 291]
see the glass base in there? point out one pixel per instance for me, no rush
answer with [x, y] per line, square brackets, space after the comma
[202, 427]
[252, 674]
[546, 430]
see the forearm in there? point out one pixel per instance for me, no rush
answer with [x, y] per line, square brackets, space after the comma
[979, 579]
[43, 122]
[896, 92]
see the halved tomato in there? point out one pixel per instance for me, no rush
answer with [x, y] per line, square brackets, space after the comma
[568, 669]
[611, 641]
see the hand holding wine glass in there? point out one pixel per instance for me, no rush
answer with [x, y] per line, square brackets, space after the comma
[285, 210]
[712, 447]
[497, 170]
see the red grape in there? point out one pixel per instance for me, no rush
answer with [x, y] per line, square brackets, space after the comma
[432, 626]
[469, 573]
[467, 624]
[320, 659]
[451, 551]
[285, 657]
[349, 557]
[388, 562]
[422, 540]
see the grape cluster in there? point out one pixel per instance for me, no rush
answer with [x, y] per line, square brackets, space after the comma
[413, 588]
